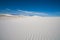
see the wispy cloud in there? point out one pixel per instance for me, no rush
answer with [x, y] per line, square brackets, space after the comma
[22, 12]
[33, 13]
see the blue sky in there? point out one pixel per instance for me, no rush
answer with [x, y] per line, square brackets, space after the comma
[51, 7]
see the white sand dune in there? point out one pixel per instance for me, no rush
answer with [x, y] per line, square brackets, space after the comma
[29, 28]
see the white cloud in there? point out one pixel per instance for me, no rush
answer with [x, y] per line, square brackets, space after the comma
[32, 13]
[21, 12]
[6, 15]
